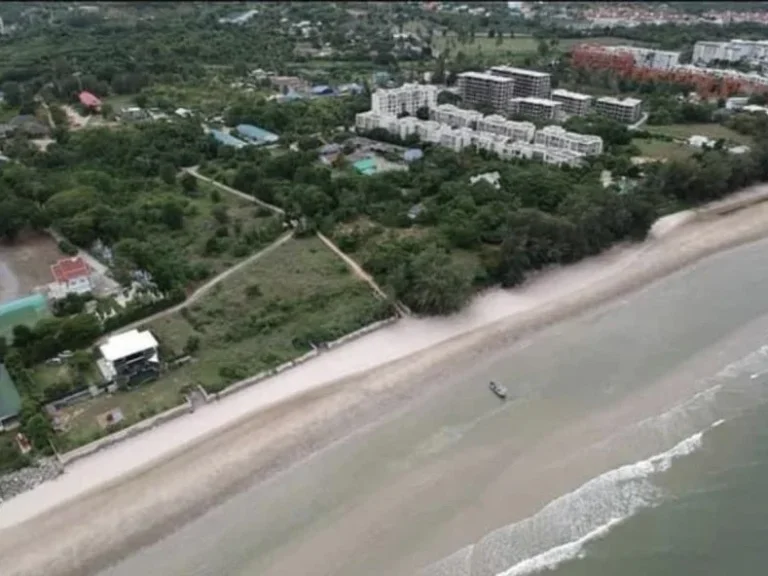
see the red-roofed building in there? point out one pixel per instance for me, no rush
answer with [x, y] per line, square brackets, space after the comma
[72, 275]
[89, 100]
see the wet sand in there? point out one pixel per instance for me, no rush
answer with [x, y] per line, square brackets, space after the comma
[137, 505]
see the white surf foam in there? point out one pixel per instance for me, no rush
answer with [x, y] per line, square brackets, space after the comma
[559, 531]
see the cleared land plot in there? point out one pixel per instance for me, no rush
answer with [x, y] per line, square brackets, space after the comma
[662, 149]
[714, 131]
[220, 229]
[517, 45]
[29, 261]
[271, 312]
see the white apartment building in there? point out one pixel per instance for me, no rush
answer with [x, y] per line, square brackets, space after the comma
[749, 50]
[574, 103]
[536, 108]
[455, 138]
[407, 98]
[480, 88]
[736, 102]
[527, 83]
[558, 137]
[627, 110]
[454, 116]
[538, 152]
[495, 124]
[649, 58]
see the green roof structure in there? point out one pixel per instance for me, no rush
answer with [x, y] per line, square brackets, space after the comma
[365, 166]
[26, 311]
[10, 401]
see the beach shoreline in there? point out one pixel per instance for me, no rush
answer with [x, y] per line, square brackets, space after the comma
[308, 417]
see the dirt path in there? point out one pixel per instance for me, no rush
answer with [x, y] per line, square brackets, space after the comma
[354, 266]
[193, 170]
[362, 274]
[205, 288]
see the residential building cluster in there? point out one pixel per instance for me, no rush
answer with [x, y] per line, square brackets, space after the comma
[644, 64]
[499, 85]
[408, 98]
[458, 129]
[752, 51]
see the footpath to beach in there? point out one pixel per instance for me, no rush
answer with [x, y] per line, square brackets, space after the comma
[126, 493]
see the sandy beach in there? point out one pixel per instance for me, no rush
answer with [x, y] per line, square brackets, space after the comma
[131, 494]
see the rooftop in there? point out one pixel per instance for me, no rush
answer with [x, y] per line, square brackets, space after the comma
[485, 76]
[70, 268]
[227, 140]
[88, 99]
[625, 102]
[255, 133]
[519, 71]
[126, 344]
[572, 95]
[534, 100]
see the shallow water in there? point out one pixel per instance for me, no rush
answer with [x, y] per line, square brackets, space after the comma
[642, 414]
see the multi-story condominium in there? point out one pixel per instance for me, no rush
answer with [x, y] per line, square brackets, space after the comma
[456, 139]
[407, 98]
[480, 88]
[490, 142]
[537, 152]
[536, 108]
[527, 82]
[367, 121]
[749, 50]
[649, 58]
[454, 116]
[495, 124]
[558, 137]
[627, 110]
[574, 103]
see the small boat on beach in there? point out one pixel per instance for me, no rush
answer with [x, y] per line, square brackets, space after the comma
[498, 389]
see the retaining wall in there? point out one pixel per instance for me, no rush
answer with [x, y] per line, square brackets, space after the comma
[120, 435]
[186, 408]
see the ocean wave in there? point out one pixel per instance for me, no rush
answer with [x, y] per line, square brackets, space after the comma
[558, 531]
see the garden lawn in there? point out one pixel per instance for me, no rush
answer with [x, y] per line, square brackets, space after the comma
[714, 131]
[268, 313]
[661, 149]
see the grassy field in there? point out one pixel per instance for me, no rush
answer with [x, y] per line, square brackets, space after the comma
[714, 131]
[661, 149]
[269, 313]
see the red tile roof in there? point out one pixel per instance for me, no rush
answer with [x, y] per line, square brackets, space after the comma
[69, 269]
[88, 99]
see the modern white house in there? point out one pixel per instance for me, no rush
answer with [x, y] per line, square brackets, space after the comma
[129, 357]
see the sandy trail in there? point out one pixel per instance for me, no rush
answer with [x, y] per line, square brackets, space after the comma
[153, 481]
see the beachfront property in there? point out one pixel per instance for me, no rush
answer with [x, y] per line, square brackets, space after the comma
[129, 358]
[10, 401]
[71, 276]
[255, 135]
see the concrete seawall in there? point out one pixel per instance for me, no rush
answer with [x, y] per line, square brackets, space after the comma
[187, 407]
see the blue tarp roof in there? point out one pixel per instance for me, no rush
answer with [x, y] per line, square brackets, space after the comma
[228, 140]
[255, 133]
[322, 89]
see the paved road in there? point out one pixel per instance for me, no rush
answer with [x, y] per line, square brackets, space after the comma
[205, 288]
